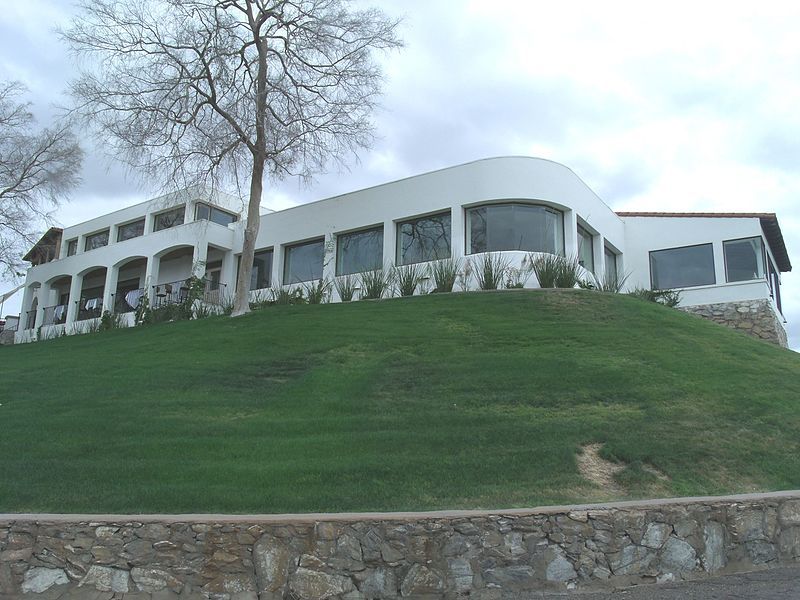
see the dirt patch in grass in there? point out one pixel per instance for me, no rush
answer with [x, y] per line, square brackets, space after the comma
[598, 470]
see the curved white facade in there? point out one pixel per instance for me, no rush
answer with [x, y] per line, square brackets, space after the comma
[155, 260]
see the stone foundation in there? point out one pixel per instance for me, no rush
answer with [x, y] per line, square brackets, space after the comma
[485, 555]
[754, 317]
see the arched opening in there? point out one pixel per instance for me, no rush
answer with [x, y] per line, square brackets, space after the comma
[55, 313]
[130, 284]
[90, 303]
[175, 267]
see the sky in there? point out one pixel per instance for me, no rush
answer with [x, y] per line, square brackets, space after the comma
[680, 106]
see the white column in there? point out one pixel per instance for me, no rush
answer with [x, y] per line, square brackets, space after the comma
[75, 287]
[151, 277]
[199, 259]
[277, 265]
[599, 257]
[329, 259]
[457, 232]
[27, 298]
[148, 223]
[44, 302]
[389, 243]
[110, 289]
[228, 273]
[571, 233]
[81, 244]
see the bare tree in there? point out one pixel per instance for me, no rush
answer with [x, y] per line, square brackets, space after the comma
[228, 91]
[38, 169]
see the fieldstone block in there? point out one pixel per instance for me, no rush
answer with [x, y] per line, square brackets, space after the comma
[379, 583]
[677, 556]
[106, 579]
[655, 535]
[514, 577]
[421, 580]
[41, 579]
[271, 558]
[306, 584]
[789, 513]
[714, 553]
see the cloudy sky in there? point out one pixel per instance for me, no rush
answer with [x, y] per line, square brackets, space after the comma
[684, 106]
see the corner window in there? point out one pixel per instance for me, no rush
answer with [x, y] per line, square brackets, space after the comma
[130, 230]
[72, 247]
[585, 249]
[682, 267]
[611, 271]
[497, 227]
[261, 275]
[423, 239]
[169, 219]
[96, 240]
[744, 259]
[215, 215]
[303, 262]
[359, 251]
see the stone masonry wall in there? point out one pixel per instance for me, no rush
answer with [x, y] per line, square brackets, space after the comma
[754, 317]
[483, 555]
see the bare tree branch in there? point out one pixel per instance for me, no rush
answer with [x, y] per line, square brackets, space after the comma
[38, 169]
[226, 91]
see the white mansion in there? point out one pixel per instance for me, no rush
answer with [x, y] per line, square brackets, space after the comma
[726, 266]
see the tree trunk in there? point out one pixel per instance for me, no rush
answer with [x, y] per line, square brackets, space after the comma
[241, 304]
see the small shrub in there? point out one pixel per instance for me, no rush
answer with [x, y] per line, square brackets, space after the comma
[109, 321]
[464, 276]
[283, 296]
[444, 273]
[317, 292]
[612, 282]
[669, 298]
[346, 286]
[490, 269]
[142, 314]
[374, 284]
[555, 271]
[407, 278]
[517, 278]
[259, 299]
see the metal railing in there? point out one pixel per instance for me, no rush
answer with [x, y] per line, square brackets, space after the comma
[127, 302]
[89, 308]
[174, 292]
[55, 315]
[215, 292]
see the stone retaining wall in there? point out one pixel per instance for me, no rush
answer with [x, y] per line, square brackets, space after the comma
[754, 317]
[484, 555]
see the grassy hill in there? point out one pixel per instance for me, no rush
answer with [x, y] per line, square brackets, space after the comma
[448, 401]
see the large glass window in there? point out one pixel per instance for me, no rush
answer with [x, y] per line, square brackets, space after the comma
[169, 219]
[585, 249]
[515, 227]
[214, 214]
[72, 247]
[744, 259]
[611, 263]
[423, 239]
[261, 276]
[96, 240]
[130, 230]
[359, 251]
[682, 267]
[303, 262]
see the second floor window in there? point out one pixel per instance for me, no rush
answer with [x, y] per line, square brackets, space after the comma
[130, 230]
[169, 219]
[72, 247]
[96, 240]
[215, 215]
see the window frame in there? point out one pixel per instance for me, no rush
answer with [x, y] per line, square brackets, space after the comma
[286, 251]
[211, 208]
[713, 263]
[763, 258]
[468, 224]
[158, 215]
[270, 249]
[607, 250]
[398, 237]
[90, 236]
[379, 228]
[128, 224]
[580, 238]
[70, 245]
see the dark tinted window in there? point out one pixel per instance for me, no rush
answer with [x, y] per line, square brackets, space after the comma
[744, 259]
[682, 267]
[303, 262]
[96, 240]
[169, 219]
[359, 251]
[515, 227]
[130, 230]
[423, 239]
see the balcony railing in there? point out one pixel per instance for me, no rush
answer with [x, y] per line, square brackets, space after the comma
[55, 315]
[215, 292]
[127, 301]
[178, 291]
[30, 319]
[89, 308]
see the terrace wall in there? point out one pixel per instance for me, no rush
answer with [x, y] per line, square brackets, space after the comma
[476, 554]
[754, 317]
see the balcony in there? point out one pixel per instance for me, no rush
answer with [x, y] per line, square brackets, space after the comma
[89, 308]
[55, 315]
[177, 292]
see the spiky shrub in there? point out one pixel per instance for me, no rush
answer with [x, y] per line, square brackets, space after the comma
[374, 284]
[517, 278]
[317, 292]
[346, 286]
[612, 282]
[669, 298]
[444, 273]
[283, 296]
[259, 299]
[555, 271]
[490, 269]
[407, 278]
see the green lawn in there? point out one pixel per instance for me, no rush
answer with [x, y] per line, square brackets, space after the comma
[450, 401]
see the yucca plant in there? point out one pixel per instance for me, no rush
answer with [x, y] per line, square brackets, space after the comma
[444, 273]
[407, 278]
[346, 286]
[283, 296]
[375, 283]
[669, 298]
[490, 269]
[555, 271]
[317, 292]
[612, 282]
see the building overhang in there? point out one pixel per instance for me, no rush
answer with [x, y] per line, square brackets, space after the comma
[47, 245]
[769, 224]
